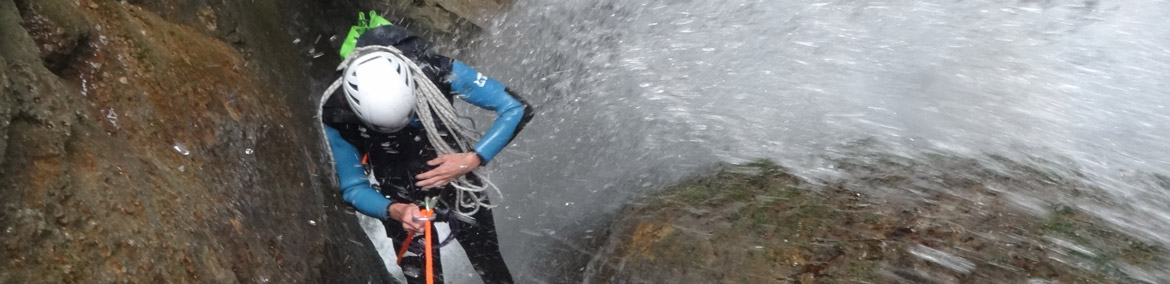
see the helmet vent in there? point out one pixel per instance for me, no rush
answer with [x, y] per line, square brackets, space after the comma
[355, 87]
[369, 59]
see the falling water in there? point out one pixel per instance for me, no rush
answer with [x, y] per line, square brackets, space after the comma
[635, 94]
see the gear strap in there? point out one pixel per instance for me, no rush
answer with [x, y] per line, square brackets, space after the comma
[362, 26]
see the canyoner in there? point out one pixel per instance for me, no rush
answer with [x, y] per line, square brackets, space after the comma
[397, 144]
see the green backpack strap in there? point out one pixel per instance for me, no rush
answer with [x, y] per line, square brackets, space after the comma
[362, 26]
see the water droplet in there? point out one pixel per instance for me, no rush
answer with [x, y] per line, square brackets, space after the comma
[248, 151]
[1071, 246]
[112, 117]
[182, 149]
[410, 271]
[953, 262]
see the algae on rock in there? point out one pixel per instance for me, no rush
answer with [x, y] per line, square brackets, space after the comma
[755, 223]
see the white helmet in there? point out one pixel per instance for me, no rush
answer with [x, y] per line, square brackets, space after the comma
[380, 91]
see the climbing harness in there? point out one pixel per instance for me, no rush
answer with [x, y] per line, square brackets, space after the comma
[440, 215]
[428, 215]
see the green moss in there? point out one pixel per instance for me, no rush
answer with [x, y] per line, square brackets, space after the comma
[1109, 248]
[693, 193]
[861, 270]
[760, 217]
[1062, 222]
[733, 183]
[853, 238]
[872, 219]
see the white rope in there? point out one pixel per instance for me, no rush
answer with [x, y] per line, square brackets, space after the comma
[430, 103]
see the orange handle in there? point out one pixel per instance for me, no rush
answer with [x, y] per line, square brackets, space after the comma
[427, 235]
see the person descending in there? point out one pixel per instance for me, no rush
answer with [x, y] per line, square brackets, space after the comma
[397, 143]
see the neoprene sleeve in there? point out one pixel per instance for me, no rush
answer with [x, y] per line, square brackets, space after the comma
[487, 93]
[355, 188]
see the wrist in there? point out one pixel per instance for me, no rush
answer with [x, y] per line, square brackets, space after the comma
[394, 211]
[478, 159]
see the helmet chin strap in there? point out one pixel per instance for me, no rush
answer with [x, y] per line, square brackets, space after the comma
[431, 104]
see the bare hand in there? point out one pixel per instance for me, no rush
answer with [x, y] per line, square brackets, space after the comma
[409, 215]
[448, 167]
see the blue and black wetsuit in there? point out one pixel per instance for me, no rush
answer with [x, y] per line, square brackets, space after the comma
[396, 158]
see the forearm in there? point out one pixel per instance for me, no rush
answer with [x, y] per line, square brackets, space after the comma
[355, 188]
[479, 90]
[505, 128]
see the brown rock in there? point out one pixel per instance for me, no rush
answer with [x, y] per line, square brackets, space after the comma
[60, 30]
[91, 187]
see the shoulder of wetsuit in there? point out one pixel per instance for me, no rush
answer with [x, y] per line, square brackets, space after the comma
[401, 38]
[437, 66]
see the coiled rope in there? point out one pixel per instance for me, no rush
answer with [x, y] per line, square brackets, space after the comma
[430, 104]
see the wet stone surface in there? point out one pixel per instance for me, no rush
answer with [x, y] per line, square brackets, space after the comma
[60, 32]
[755, 223]
[169, 142]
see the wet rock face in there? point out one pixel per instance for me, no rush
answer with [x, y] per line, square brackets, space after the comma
[60, 32]
[755, 223]
[171, 141]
